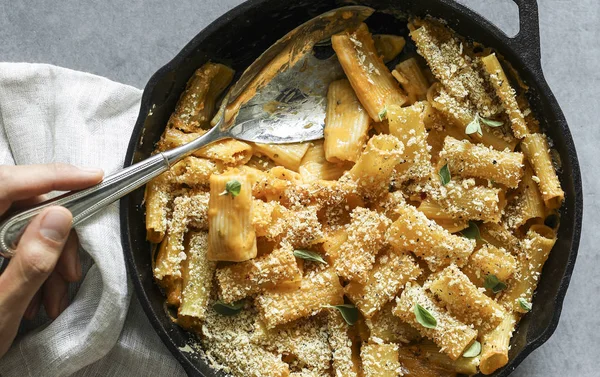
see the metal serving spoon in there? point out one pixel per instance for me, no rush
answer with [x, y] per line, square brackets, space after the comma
[279, 99]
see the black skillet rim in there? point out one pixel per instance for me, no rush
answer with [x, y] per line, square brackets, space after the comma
[529, 62]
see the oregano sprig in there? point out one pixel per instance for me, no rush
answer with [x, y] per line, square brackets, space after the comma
[474, 350]
[524, 304]
[232, 188]
[444, 174]
[309, 255]
[475, 125]
[349, 312]
[471, 232]
[493, 283]
[228, 309]
[424, 317]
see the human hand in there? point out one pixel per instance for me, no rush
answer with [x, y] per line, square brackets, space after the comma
[47, 256]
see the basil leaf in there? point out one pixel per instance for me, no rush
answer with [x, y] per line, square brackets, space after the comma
[493, 283]
[425, 318]
[309, 255]
[474, 126]
[474, 350]
[348, 312]
[232, 187]
[382, 114]
[471, 232]
[524, 304]
[228, 310]
[444, 174]
[490, 122]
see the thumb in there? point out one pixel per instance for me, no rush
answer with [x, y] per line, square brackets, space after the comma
[35, 258]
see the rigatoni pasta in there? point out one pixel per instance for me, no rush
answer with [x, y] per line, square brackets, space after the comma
[372, 81]
[346, 123]
[451, 335]
[231, 236]
[409, 241]
[471, 160]
[535, 146]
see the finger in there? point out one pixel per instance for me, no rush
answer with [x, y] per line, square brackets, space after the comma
[24, 181]
[29, 202]
[34, 306]
[35, 258]
[54, 292]
[69, 264]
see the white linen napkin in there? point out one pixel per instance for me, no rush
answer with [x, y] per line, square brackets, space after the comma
[51, 114]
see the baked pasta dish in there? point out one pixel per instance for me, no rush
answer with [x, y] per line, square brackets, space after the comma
[408, 242]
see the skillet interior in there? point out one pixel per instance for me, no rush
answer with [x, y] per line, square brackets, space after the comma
[238, 37]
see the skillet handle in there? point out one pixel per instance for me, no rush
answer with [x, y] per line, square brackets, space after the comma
[527, 41]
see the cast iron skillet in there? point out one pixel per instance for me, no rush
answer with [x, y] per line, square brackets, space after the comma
[242, 34]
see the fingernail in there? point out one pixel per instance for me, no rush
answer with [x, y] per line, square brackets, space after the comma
[91, 171]
[56, 225]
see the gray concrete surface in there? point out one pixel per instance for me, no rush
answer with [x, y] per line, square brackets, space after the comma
[128, 41]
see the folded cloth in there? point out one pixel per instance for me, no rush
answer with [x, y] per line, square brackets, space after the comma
[51, 114]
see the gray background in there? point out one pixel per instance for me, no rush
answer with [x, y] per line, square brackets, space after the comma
[128, 41]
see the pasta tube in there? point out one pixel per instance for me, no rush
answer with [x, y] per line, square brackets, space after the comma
[464, 300]
[380, 360]
[445, 56]
[535, 147]
[506, 93]
[196, 105]
[527, 202]
[472, 160]
[535, 250]
[372, 81]
[287, 155]
[346, 123]
[411, 77]
[197, 277]
[451, 335]
[231, 236]
[276, 307]
[385, 327]
[406, 123]
[495, 345]
[427, 240]
[344, 361]
[366, 237]
[314, 166]
[250, 277]
[388, 276]
[373, 169]
[490, 260]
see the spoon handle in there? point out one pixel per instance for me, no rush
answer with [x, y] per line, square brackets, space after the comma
[84, 203]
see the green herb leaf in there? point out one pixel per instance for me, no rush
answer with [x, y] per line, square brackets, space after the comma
[524, 304]
[444, 174]
[309, 255]
[472, 232]
[490, 122]
[492, 282]
[232, 187]
[382, 113]
[348, 312]
[228, 310]
[425, 318]
[474, 127]
[474, 350]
